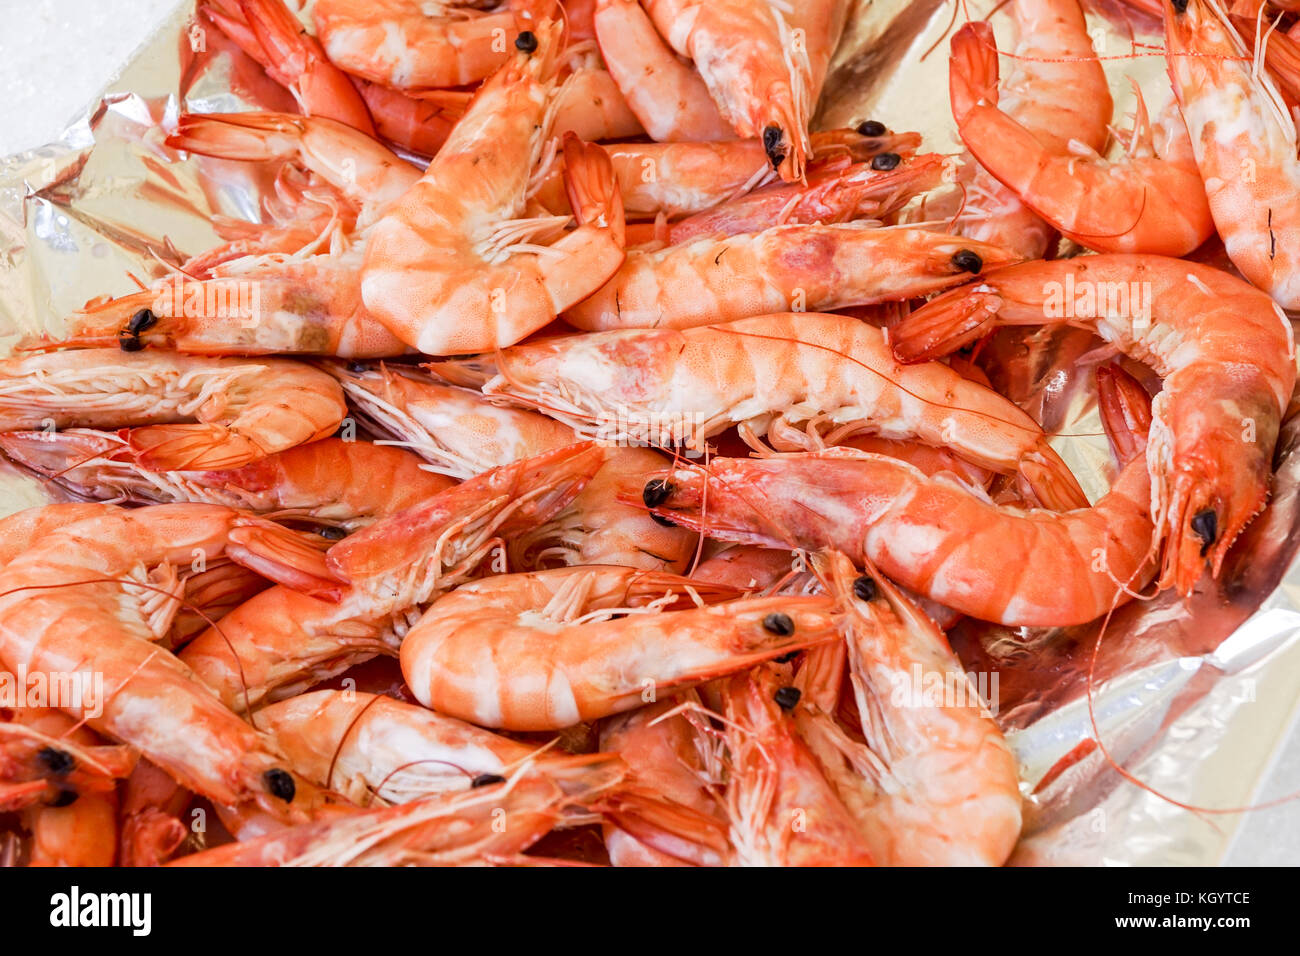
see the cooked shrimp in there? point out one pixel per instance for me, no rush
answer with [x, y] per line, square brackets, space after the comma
[799, 267]
[344, 484]
[461, 434]
[664, 758]
[1245, 145]
[1151, 200]
[933, 535]
[83, 833]
[238, 411]
[1226, 354]
[47, 758]
[450, 268]
[588, 103]
[267, 31]
[783, 810]
[548, 649]
[375, 749]
[668, 96]
[1056, 90]
[408, 44]
[756, 67]
[455, 829]
[282, 642]
[69, 605]
[20, 530]
[151, 829]
[934, 783]
[771, 375]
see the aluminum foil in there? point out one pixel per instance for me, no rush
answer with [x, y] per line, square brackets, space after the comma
[1194, 699]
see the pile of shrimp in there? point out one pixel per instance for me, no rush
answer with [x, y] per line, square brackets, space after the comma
[608, 451]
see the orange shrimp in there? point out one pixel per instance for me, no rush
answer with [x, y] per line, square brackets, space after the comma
[377, 749]
[1226, 354]
[800, 267]
[282, 642]
[238, 411]
[456, 829]
[783, 375]
[933, 535]
[548, 649]
[934, 784]
[668, 96]
[344, 484]
[1152, 200]
[450, 268]
[69, 605]
[1245, 145]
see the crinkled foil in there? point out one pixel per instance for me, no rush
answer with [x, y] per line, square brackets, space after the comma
[1194, 699]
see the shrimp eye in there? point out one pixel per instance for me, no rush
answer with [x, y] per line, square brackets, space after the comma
[526, 42]
[967, 261]
[787, 697]
[486, 780]
[785, 658]
[57, 762]
[1206, 526]
[280, 784]
[358, 368]
[128, 341]
[778, 624]
[656, 492]
[871, 128]
[142, 321]
[864, 588]
[1180, 6]
[885, 161]
[331, 533]
[773, 140]
[63, 798]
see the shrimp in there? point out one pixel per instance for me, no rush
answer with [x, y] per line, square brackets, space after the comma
[69, 605]
[238, 411]
[411, 45]
[1056, 90]
[783, 810]
[663, 756]
[1226, 354]
[935, 536]
[373, 748]
[282, 642]
[934, 783]
[813, 267]
[548, 649]
[151, 829]
[757, 68]
[338, 483]
[461, 434]
[267, 31]
[770, 375]
[588, 103]
[1152, 200]
[669, 98]
[449, 269]
[1245, 146]
[47, 758]
[22, 529]
[83, 833]
[453, 829]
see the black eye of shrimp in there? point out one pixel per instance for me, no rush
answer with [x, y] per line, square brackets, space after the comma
[331, 533]
[1206, 525]
[773, 141]
[63, 798]
[871, 128]
[864, 588]
[787, 697]
[128, 341]
[885, 162]
[279, 783]
[57, 762]
[778, 624]
[526, 42]
[486, 780]
[1180, 6]
[967, 261]
[142, 321]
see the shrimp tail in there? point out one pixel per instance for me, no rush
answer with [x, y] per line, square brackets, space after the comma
[973, 74]
[668, 827]
[592, 187]
[946, 324]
